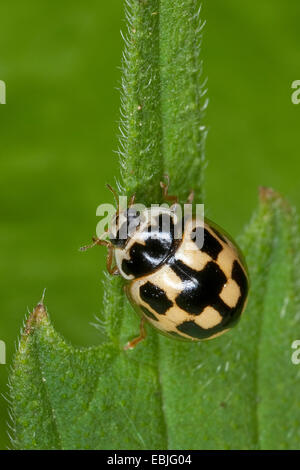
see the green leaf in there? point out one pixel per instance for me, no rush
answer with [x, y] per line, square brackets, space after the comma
[183, 96]
[141, 122]
[163, 99]
[65, 398]
[239, 391]
[278, 379]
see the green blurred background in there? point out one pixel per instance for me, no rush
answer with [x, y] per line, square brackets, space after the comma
[58, 134]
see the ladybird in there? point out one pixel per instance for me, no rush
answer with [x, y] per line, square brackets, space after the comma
[191, 288]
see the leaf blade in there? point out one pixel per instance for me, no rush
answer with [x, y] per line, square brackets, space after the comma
[80, 411]
[140, 142]
[278, 378]
[183, 96]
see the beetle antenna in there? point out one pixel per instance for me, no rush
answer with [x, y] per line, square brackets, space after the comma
[112, 190]
[96, 241]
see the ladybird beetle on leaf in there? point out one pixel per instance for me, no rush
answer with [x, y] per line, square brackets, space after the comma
[192, 288]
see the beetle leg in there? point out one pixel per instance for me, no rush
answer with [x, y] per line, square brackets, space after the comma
[97, 241]
[132, 200]
[191, 196]
[165, 188]
[109, 260]
[132, 344]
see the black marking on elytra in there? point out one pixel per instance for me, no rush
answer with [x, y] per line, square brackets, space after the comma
[146, 258]
[158, 245]
[219, 235]
[148, 313]
[200, 288]
[155, 297]
[211, 245]
[239, 276]
[193, 330]
[173, 333]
